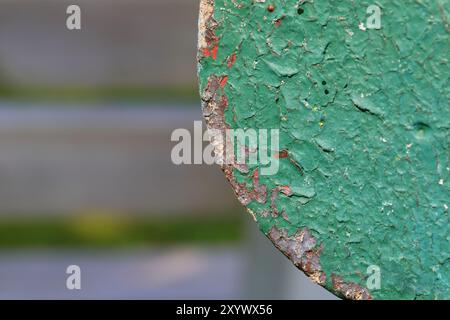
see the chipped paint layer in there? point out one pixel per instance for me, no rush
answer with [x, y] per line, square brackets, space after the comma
[301, 248]
[350, 290]
[215, 102]
[208, 41]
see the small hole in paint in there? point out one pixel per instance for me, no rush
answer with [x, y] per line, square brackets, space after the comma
[326, 91]
[422, 130]
[324, 82]
[300, 11]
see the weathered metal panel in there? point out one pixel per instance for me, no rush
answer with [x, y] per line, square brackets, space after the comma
[362, 189]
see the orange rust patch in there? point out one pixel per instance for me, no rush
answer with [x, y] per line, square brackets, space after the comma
[283, 154]
[223, 81]
[214, 52]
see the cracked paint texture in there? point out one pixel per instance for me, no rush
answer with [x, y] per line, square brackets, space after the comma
[364, 120]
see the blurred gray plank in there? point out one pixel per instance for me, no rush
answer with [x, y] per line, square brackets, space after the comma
[72, 159]
[176, 273]
[122, 43]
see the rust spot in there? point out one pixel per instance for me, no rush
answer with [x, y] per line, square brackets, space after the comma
[206, 52]
[283, 154]
[214, 52]
[273, 206]
[350, 290]
[286, 190]
[285, 216]
[223, 81]
[259, 191]
[278, 21]
[231, 60]
[270, 8]
[302, 250]
[211, 39]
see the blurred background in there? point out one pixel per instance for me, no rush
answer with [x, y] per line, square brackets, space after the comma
[85, 171]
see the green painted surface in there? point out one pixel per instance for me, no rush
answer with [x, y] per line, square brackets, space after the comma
[366, 115]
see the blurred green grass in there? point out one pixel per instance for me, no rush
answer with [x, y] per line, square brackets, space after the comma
[187, 94]
[118, 231]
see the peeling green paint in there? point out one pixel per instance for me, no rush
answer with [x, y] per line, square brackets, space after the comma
[364, 123]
